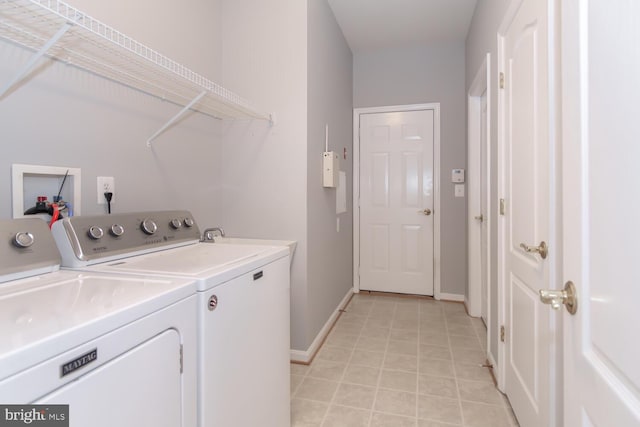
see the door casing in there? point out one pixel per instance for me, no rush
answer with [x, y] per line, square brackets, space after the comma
[436, 188]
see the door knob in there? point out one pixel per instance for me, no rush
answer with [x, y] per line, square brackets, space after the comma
[479, 217]
[425, 211]
[542, 249]
[567, 296]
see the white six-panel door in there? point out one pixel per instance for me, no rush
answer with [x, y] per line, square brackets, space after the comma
[397, 210]
[601, 211]
[526, 175]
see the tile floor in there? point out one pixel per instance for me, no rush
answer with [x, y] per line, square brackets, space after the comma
[397, 361]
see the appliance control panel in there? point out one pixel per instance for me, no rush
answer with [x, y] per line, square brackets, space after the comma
[27, 246]
[84, 240]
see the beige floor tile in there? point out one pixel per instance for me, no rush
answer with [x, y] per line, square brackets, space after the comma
[455, 329]
[345, 328]
[482, 415]
[357, 396]
[341, 416]
[437, 386]
[316, 389]
[363, 375]
[405, 324]
[430, 423]
[371, 344]
[405, 315]
[480, 391]
[299, 369]
[396, 402]
[393, 361]
[367, 358]
[306, 413]
[296, 380]
[380, 333]
[403, 347]
[398, 380]
[434, 352]
[464, 341]
[404, 335]
[342, 340]
[388, 420]
[378, 322]
[467, 355]
[401, 362]
[327, 370]
[438, 408]
[434, 338]
[435, 367]
[334, 354]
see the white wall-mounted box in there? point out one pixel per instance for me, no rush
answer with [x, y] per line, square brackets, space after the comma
[330, 169]
[457, 175]
[30, 181]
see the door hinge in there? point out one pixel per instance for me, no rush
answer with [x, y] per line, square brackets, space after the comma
[503, 207]
[181, 359]
[502, 333]
[501, 80]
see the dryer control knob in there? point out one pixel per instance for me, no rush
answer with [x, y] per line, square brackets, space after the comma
[175, 223]
[188, 222]
[23, 239]
[95, 232]
[149, 226]
[117, 230]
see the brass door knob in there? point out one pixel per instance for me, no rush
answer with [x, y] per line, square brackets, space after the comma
[425, 212]
[542, 249]
[566, 297]
[479, 217]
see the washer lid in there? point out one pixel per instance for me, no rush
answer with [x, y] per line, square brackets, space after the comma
[208, 263]
[45, 315]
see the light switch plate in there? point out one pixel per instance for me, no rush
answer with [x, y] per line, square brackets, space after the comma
[459, 190]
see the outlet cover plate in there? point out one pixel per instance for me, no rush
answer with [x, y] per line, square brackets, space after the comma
[105, 184]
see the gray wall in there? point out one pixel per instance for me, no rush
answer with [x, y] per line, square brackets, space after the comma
[63, 116]
[482, 39]
[422, 75]
[290, 58]
[264, 170]
[330, 101]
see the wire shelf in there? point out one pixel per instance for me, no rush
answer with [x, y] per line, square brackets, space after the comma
[78, 39]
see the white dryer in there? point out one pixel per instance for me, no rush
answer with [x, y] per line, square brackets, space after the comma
[119, 350]
[243, 305]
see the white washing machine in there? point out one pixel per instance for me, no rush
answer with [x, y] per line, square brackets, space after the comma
[119, 350]
[243, 305]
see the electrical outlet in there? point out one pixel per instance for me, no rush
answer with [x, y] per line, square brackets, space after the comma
[106, 184]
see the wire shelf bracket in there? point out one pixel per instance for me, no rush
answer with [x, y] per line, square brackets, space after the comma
[26, 69]
[57, 30]
[176, 117]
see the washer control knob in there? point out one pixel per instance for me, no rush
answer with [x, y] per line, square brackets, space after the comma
[188, 222]
[149, 226]
[23, 239]
[175, 223]
[96, 232]
[117, 230]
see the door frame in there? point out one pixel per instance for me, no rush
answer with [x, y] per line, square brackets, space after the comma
[481, 84]
[435, 106]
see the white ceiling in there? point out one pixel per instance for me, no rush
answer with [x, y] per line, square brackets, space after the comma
[380, 24]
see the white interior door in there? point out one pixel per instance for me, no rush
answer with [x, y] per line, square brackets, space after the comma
[526, 178]
[397, 202]
[484, 211]
[601, 211]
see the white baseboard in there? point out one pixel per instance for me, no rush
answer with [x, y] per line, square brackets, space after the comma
[451, 297]
[305, 356]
